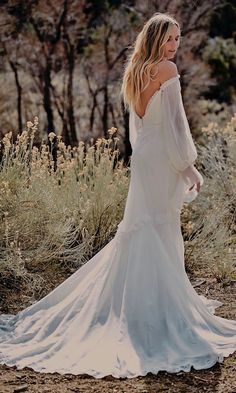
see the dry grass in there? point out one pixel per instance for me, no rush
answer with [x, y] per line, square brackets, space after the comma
[62, 215]
[210, 221]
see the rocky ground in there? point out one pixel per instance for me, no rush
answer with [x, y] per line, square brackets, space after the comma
[220, 378]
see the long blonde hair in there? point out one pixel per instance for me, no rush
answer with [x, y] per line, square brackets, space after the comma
[147, 52]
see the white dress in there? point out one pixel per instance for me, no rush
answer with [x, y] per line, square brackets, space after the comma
[131, 309]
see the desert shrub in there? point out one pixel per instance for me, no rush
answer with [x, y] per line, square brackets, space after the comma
[58, 215]
[220, 54]
[210, 220]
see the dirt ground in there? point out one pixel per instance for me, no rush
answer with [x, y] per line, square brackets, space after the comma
[220, 378]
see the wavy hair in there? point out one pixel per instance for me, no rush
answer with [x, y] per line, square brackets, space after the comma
[147, 52]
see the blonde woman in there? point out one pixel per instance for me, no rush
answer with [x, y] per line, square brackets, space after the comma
[131, 309]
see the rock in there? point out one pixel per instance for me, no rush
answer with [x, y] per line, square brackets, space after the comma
[198, 282]
[22, 388]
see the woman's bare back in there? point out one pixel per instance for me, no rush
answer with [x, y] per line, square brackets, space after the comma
[164, 70]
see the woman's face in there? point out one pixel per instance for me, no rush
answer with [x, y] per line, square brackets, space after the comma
[172, 44]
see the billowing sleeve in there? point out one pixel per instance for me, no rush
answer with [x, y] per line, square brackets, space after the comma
[178, 139]
[179, 143]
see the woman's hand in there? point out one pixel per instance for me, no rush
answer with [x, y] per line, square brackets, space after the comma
[198, 186]
[192, 177]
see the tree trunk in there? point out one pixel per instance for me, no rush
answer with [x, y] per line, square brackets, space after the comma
[19, 95]
[47, 96]
[71, 117]
[105, 112]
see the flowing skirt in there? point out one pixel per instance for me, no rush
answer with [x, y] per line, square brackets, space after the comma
[129, 310]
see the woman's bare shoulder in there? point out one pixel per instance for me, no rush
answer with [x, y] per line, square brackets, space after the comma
[166, 70]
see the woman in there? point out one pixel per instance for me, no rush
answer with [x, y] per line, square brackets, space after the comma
[131, 309]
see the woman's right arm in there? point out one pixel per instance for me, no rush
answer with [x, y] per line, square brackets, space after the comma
[180, 146]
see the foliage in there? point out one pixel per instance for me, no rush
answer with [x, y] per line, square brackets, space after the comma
[220, 54]
[58, 216]
[210, 221]
[223, 20]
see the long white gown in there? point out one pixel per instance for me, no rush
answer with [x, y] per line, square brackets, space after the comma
[131, 309]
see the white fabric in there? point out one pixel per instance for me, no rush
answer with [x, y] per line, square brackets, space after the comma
[179, 143]
[131, 309]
